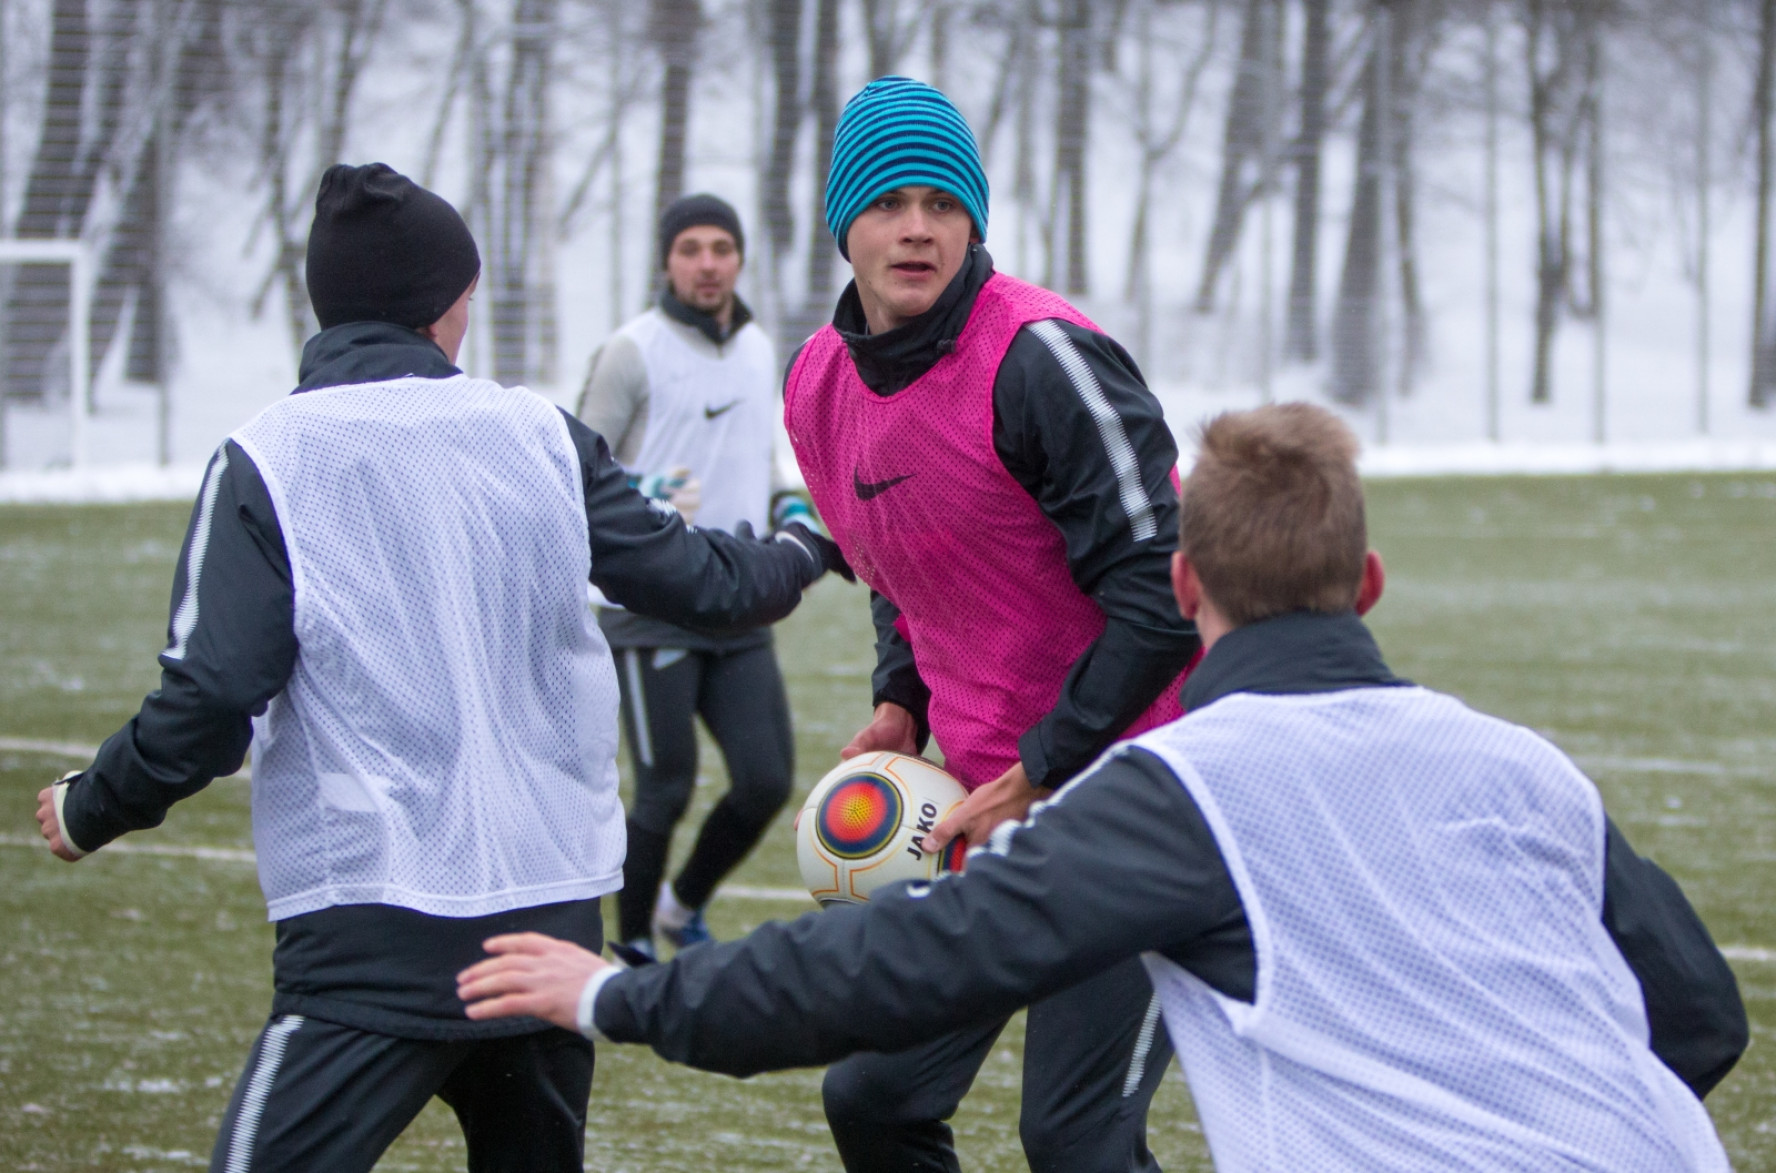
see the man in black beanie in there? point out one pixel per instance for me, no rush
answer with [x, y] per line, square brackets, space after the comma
[686, 395]
[383, 590]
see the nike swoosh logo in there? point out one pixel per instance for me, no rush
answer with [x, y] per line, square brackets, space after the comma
[868, 489]
[710, 413]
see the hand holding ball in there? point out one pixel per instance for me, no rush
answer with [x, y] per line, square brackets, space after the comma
[861, 826]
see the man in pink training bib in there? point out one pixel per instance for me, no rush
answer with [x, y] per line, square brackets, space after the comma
[997, 471]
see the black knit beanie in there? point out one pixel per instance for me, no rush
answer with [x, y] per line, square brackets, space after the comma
[384, 249]
[693, 210]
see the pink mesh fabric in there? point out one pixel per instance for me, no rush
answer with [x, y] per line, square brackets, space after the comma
[914, 493]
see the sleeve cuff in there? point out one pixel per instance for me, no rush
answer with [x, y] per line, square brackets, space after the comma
[1037, 765]
[59, 793]
[586, 1018]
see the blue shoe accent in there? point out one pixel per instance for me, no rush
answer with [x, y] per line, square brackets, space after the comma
[694, 932]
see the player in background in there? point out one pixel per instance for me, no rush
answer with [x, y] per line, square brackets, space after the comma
[686, 395]
[388, 570]
[1390, 933]
[1002, 478]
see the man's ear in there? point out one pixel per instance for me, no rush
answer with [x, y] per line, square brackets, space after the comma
[1374, 579]
[1186, 587]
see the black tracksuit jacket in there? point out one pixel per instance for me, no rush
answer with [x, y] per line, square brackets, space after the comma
[373, 966]
[1121, 863]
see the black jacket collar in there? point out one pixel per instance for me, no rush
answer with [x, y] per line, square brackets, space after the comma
[1302, 651]
[891, 361]
[704, 323]
[369, 352]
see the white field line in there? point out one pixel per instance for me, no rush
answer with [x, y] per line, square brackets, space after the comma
[218, 854]
[1747, 953]
[247, 856]
[1752, 954]
[1625, 765]
[55, 749]
[79, 751]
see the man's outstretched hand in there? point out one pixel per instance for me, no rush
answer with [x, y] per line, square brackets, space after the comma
[529, 974]
[1007, 797]
[51, 827]
[892, 729]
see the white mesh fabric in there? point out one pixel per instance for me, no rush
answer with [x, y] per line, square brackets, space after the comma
[1436, 989]
[714, 411]
[447, 742]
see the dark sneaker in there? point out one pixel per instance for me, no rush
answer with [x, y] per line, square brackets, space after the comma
[693, 932]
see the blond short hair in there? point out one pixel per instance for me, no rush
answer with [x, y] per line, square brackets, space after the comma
[1272, 516]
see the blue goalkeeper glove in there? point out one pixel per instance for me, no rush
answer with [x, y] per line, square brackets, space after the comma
[677, 487]
[787, 509]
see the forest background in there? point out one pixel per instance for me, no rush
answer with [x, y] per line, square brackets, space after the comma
[1532, 220]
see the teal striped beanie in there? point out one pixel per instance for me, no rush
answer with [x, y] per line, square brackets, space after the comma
[896, 132]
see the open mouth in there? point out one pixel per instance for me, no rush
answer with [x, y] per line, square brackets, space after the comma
[914, 268]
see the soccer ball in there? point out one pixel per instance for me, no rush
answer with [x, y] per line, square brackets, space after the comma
[861, 825]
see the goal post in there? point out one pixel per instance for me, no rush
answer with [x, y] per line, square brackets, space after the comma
[77, 255]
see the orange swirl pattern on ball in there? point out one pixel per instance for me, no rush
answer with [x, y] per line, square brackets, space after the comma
[859, 816]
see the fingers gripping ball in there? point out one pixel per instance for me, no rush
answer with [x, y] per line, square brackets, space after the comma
[861, 825]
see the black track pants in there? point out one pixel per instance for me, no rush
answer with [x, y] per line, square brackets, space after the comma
[1093, 1057]
[316, 1096]
[741, 699]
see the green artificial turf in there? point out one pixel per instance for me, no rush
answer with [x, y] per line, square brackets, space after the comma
[1631, 619]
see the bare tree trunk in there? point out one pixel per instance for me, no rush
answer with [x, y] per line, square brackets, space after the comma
[1242, 143]
[1763, 344]
[619, 309]
[1704, 200]
[783, 26]
[1073, 116]
[1009, 82]
[674, 26]
[785, 30]
[182, 42]
[1024, 192]
[128, 256]
[1384, 152]
[519, 193]
[273, 145]
[5, 176]
[822, 256]
[1137, 285]
[940, 46]
[1412, 34]
[1494, 428]
[888, 40]
[1594, 213]
[1354, 333]
[483, 155]
[460, 60]
[1552, 192]
[1156, 146]
[1300, 337]
[363, 19]
[55, 201]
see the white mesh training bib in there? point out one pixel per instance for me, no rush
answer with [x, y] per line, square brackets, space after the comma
[714, 413]
[447, 742]
[1435, 987]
